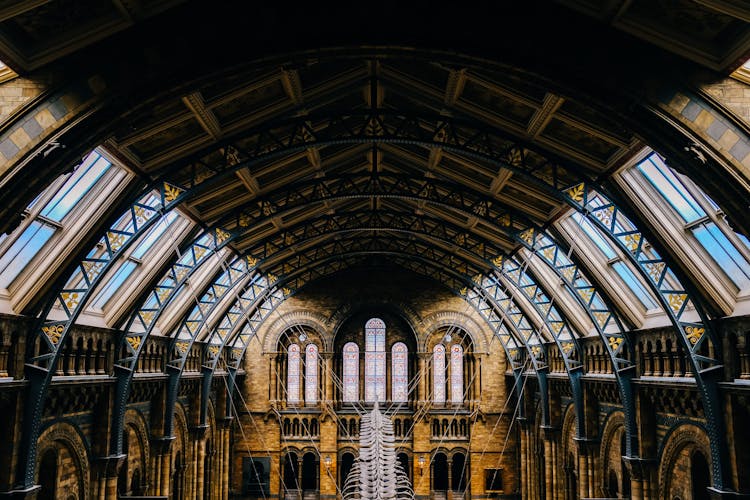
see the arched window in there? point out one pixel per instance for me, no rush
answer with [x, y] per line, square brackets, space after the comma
[438, 374]
[375, 360]
[457, 374]
[292, 374]
[351, 372]
[399, 373]
[311, 374]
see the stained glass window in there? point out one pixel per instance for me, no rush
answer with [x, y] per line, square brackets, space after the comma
[375, 360]
[399, 372]
[311, 374]
[292, 374]
[351, 373]
[438, 374]
[457, 374]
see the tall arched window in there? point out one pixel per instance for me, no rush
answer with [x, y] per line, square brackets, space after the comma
[399, 373]
[311, 374]
[351, 373]
[457, 374]
[292, 374]
[375, 360]
[438, 374]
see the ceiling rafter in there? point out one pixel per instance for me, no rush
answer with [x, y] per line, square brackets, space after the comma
[204, 116]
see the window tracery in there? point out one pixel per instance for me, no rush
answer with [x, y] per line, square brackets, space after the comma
[351, 373]
[311, 374]
[457, 374]
[399, 373]
[292, 374]
[438, 374]
[375, 360]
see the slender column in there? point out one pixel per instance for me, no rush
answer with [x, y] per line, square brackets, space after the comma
[166, 477]
[272, 377]
[225, 460]
[450, 479]
[328, 364]
[423, 378]
[523, 424]
[549, 434]
[200, 459]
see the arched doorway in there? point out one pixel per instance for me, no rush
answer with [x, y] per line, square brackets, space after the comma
[403, 459]
[291, 481]
[347, 460]
[440, 476]
[48, 476]
[700, 476]
[458, 475]
[310, 470]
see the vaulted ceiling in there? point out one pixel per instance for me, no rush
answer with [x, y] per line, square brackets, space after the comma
[295, 123]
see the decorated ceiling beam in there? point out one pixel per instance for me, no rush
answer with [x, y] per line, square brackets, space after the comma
[273, 141]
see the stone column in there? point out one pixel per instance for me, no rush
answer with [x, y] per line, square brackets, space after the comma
[524, 480]
[107, 469]
[328, 377]
[199, 433]
[550, 435]
[450, 479]
[299, 475]
[642, 472]
[273, 377]
[422, 378]
[225, 459]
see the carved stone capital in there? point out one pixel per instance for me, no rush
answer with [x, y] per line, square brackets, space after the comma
[640, 468]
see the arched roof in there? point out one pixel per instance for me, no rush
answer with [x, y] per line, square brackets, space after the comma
[567, 172]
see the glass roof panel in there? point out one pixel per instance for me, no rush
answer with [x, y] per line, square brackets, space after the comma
[671, 188]
[77, 185]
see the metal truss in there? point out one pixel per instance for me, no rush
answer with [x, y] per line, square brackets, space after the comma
[275, 140]
[459, 283]
[695, 333]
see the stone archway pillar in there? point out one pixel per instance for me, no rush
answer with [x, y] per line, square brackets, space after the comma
[162, 460]
[525, 458]
[422, 378]
[225, 457]
[199, 433]
[642, 474]
[550, 435]
[107, 469]
[588, 450]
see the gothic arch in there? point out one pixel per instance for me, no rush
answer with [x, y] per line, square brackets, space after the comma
[180, 431]
[399, 308]
[684, 437]
[568, 429]
[458, 319]
[287, 320]
[614, 426]
[134, 420]
[75, 443]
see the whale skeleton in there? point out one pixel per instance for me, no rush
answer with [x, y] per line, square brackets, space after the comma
[377, 474]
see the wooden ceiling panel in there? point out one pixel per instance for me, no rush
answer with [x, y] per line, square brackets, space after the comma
[503, 105]
[250, 102]
[578, 140]
[169, 138]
